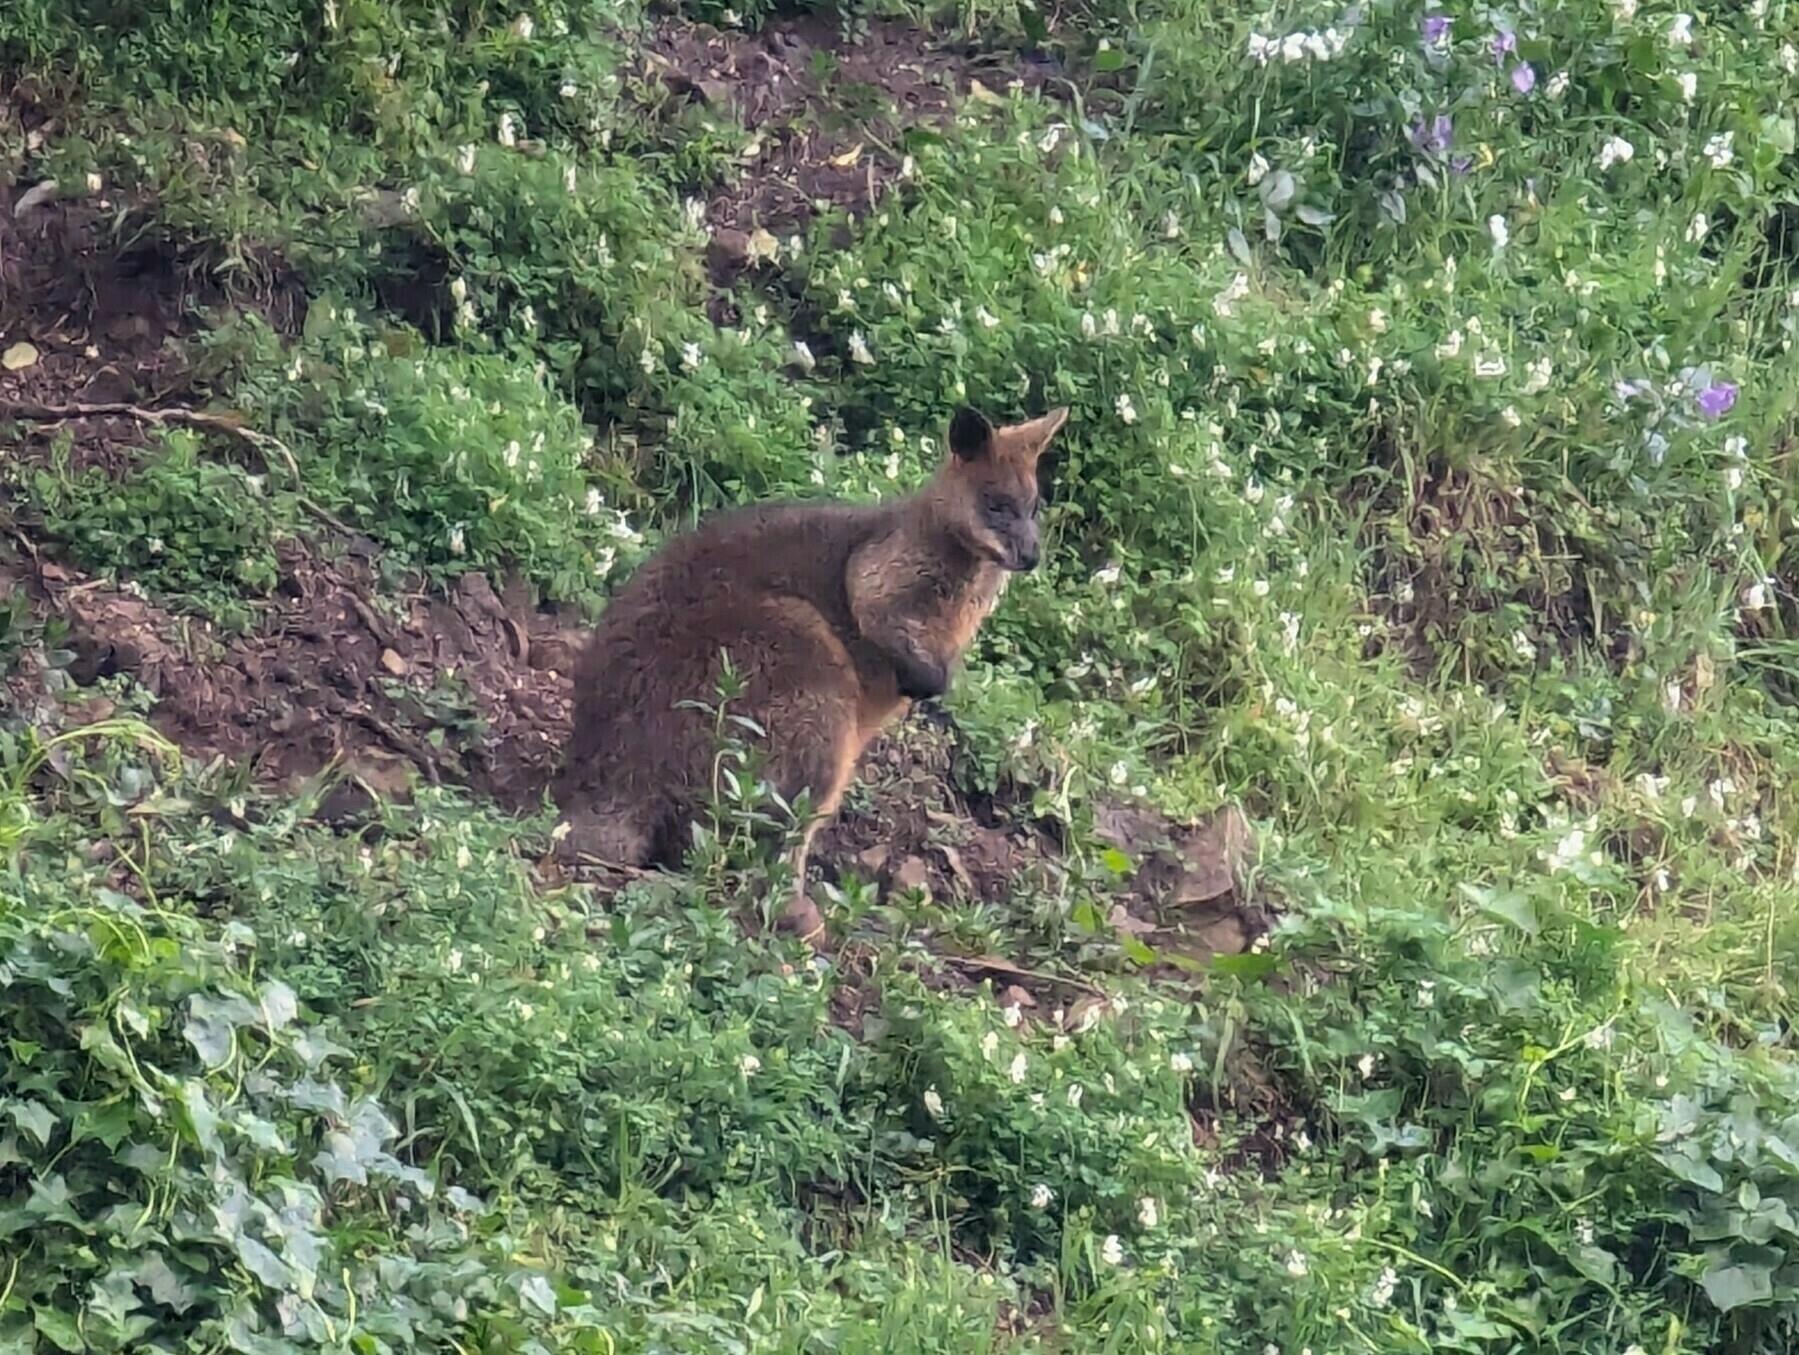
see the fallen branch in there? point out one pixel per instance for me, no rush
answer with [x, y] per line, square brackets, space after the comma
[187, 418]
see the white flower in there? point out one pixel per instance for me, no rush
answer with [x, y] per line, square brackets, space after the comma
[749, 1064]
[1180, 1062]
[458, 543]
[524, 26]
[1225, 302]
[1126, 410]
[1718, 149]
[508, 132]
[1296, 1263]
[647, 360]
[1500, 232]
[465, 159]
[1537, 374]
[1365, 1065]
[1119, 774]
[1698, 228]
[1041, 1196]
[859, 350]
[1147, 1213]
[989, 1044]
[933, 1103]
[1789, 58]
[1020, 1067]
[1625, 10]
[1258, 168]
[802, 351]
[1689, 85]
[569, 89]
[1382, 1294]
[1680, 32]
[985, 318]
[1112, 1251]
[1557, 86]
[1107, 576]
[1615, 151]
[1075, 1092]
[1427, 993]
[691, 357]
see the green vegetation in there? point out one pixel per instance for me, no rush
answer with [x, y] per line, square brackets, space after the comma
[1427, 492]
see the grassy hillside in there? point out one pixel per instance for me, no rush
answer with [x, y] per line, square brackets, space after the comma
[1348, 902]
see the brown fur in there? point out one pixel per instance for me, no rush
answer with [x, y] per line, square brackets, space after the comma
[836, 616]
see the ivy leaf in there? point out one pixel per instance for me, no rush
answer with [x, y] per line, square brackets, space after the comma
[264, 1264]
[1691, 1170]
[165, 1286]
[279, 1005]
[34, 1117]
[1734, 1286]
[210, 1031]
[59, 1329]
[201, 1117]
[536, 1293]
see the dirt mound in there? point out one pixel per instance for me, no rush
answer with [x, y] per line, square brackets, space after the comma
[828, 114]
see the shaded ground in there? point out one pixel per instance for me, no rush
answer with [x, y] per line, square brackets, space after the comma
[829, 118]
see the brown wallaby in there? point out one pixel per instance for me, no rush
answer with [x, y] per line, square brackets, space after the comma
[836, 617]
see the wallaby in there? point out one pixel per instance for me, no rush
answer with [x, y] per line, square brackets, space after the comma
[836, 617]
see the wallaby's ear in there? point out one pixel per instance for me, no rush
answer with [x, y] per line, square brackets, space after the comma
[970, 435]
[1036, 434]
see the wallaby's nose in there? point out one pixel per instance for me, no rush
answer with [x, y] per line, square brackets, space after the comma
[1027, 557]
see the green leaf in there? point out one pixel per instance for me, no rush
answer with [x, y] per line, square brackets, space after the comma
[59, 1329]
[279, 1005]
[1691, 1170]
[165, 1286]
[263, 1263]
[1505, 905]
[536, 1294]
[34, 1117]
[1596, 1263]
[210, 1031]
[1735, 1286]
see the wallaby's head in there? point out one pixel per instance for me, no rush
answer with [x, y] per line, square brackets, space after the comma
[987, 493]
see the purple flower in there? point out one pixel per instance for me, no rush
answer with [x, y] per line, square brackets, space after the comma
[1436, 29]
[1524, 79]
[1716, 400]
[1504, 44]
[1460, 166]
[1435, 139]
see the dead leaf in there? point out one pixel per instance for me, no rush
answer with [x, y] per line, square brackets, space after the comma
[393, 663]
[20, 356]
[1122, 919]
[763, 247]
[981, 94]
[913, 873]
[1014, 996]
[848, 158]
[956, 868]
[35, 196]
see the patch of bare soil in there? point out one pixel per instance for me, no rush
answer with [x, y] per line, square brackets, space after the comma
[96, 316]
[827, 116]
